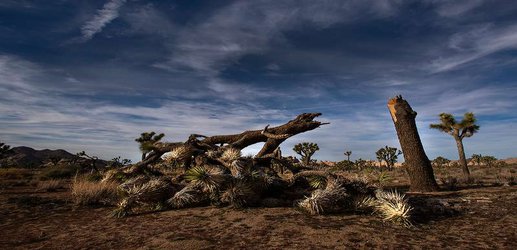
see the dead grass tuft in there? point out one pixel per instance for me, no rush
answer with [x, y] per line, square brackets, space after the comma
[85, 192]
[15, 173]
[50, 185]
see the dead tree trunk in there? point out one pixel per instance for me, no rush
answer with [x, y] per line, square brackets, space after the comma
[418, 166]
[272, 137]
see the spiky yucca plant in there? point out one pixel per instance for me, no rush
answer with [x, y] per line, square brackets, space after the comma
[176, 154]
[208, 179]
[187, 196]
[231, 154]
[238, 194]
[142, 190]
[393, 207]
[325, 200]
[318, 181]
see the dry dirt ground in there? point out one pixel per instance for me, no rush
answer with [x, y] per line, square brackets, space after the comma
[485, 218]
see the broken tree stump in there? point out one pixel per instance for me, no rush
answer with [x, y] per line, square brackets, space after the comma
[418, 166]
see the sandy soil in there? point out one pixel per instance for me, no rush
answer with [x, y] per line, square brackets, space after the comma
[486, 218]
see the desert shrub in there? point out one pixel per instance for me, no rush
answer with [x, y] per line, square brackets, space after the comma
[85, 192]
[506, 178]
[15, 173]
[93, 177]
[383, 178]
[345, 165]
[450, 183]
[49, 185]
[58, 172]
[500, 164]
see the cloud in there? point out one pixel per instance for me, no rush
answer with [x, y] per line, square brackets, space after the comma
[456, 8]
[104, 16]
[471, 45]
[249, 27]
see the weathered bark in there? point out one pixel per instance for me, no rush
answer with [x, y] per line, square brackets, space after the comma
[463, 160]
[418, 166]
[272, 137]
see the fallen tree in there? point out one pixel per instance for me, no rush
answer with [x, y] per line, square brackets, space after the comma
[198, 144]
[215, 173]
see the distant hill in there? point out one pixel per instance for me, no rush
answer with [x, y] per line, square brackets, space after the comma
[29, 157]
[511, 160]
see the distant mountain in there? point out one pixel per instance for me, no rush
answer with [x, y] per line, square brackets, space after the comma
[511, 160]
[29, 157]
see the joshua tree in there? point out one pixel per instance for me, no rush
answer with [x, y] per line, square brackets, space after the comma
[440, 161]
[477, 158]
[306, 150]
[118, 162]
[459, 130]
[147, 141]
[417, 164]
[389, 155]
[348, 154]
[93, 160]
[4, 150]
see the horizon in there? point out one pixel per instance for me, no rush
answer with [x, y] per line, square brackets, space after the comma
[94, 75]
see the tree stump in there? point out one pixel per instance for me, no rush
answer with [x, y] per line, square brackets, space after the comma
[418, 166]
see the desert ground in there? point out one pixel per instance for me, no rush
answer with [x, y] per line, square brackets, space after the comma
[479, 214]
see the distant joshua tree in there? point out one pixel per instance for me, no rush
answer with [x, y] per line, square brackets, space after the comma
[348, 154]
[488, 160]
[389, 155]
[93, 160]
[459, 130]
[477, 158]
[440, 161]
[118, 162]
[147, 141]
[306, 150]
[5, 150]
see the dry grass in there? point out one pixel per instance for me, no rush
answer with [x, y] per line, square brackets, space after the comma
[85, 192]
[15, 173]
[50, 185]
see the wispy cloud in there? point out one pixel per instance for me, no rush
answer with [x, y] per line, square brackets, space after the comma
[456, 8]
[248, 27]
[476, 43]
[104, 16]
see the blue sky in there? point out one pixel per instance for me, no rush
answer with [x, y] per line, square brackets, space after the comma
[93, 75]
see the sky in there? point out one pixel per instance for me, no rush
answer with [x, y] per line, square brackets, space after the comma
[93, 75]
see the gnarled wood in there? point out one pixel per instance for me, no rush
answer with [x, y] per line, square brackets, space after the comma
[272, 137]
